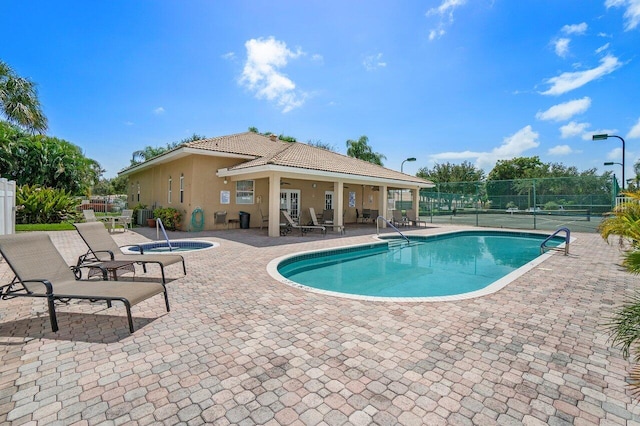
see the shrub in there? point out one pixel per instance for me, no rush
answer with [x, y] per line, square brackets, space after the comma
[36, 204]
[551, 205]
[169, 216]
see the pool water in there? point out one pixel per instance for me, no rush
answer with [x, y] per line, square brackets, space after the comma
[442, 265]
[176, 246]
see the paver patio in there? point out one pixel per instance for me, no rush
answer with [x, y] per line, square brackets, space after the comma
[239, 347]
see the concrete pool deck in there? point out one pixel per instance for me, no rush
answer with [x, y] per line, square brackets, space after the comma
[239, 347]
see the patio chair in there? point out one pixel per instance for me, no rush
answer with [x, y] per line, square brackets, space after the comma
[220, 218]
[366, 215]
[314, 220]
[41, 271]
[125, 219]
[415, 219]
[398, 219]
[89, 215]
[264, 218]
[102, 247]
[303, 228]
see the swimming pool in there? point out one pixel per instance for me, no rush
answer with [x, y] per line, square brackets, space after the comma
[160, 247]
[448, 266]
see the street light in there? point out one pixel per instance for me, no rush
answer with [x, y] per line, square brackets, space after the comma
[401, 166]
[607, 136]
[408, 159]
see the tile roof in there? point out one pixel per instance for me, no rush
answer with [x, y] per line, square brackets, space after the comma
[297, 155]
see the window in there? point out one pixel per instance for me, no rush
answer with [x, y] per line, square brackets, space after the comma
[328, 200]
[138, 192]
[169, 195]
[244, 192]
[181, 188]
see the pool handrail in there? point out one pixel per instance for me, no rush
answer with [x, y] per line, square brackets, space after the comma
[567, 240]
[160, 225]
[389, 223]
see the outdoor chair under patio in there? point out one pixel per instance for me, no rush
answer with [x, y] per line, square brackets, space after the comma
[415, 219]
[314, 220]
[89, 215]
[303, 228]
[102, 248]
[41, 271]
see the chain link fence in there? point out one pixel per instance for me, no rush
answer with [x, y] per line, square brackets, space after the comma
[578, 203]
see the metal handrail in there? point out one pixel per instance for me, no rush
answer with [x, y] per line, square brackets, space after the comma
[389, 223]
[567, 240]
[160, 225]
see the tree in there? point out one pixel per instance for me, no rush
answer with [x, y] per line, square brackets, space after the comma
[150, 152]
[625, 324]
[281, 136]
[517, 168]
[322, 145]
[361, 149]
[46, 161]
[19, 101]
[454, 181]
[448, 172]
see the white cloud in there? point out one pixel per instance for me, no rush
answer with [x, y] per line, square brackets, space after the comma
[634, 133]
[631, 14]
[615, 154]
[128, 123]
[229, 56]
[317, 57]
[578, 29]
[573, 129]
[565, 111]
[512, 146]
[261, 73]
[374, 62]
[560, 150]
[158, 111]
[602, 48]
[445, 12]
[569, 81]
[562, 46]
[434, 34]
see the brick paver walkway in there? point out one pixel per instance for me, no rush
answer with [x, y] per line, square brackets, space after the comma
[240, 348]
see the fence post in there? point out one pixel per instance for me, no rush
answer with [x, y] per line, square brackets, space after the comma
[7, 206]
[535, 203]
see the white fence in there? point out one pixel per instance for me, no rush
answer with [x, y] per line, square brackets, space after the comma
[7, 206]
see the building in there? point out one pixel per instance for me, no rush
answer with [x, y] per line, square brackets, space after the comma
[259, 175]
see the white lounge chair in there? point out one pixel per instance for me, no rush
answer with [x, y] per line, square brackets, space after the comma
[314, 220]
[303, 228]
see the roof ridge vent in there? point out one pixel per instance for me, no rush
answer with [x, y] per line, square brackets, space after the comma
[273, 138]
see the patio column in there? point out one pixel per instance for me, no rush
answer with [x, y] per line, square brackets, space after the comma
[382, 205]
[274, 206]
[416, 201]
[338, 190]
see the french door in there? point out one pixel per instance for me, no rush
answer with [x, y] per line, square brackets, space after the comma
[290, 201]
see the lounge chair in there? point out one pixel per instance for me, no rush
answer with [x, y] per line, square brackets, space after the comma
[415, 219]
[41, 271]
[303, 228]
[314, 220]
[89, 215]
[103, 248]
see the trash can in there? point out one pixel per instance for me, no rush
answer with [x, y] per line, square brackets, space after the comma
[244, 220]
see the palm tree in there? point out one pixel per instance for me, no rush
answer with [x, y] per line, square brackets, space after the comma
[361, 149]
[19, 101]
[625, 324]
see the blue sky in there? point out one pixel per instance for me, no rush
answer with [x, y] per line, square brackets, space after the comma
[439, 80]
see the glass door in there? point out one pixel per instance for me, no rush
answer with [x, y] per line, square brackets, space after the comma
[290, 201]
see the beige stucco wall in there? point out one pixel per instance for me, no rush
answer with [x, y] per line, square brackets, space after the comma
[202, 189]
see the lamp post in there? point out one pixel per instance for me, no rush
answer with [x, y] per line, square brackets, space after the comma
[607, 136]
[401, 166]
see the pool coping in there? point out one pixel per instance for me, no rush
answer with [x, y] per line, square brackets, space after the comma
[272, 270]
[127, 248]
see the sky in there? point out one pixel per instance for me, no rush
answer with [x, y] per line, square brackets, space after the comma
[438, 80]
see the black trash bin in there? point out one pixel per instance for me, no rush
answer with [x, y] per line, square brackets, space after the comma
[244, 220]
